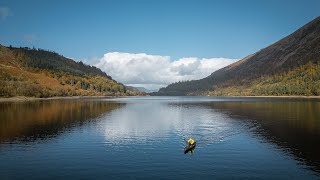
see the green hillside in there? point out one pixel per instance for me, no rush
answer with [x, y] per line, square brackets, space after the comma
[303, 81]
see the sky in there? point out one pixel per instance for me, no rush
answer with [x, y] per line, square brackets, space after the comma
[152, 43]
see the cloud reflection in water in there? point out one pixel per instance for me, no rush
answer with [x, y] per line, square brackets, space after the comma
[157, 121]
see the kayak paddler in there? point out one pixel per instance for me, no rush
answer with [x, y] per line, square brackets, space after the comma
[190, 141]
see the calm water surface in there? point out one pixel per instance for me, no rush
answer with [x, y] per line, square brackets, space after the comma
[143, 138]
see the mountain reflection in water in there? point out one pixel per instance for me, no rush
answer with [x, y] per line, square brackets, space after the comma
[143, 138]
[42, 119]
[294, 126]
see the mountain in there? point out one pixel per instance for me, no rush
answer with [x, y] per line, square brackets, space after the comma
[140, 89]
[287, 67]
[42, 73]
[132, 88]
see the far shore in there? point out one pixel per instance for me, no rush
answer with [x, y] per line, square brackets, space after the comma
[24, 98]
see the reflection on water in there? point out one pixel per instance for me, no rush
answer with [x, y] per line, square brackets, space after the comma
[295, 126]
[149, 121]
[46, 118]
[143, 138]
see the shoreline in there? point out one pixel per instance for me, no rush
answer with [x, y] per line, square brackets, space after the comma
[297, 97]
[24, 98]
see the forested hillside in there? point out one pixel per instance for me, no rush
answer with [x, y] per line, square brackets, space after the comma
[304, 81]
[41, 73]
[287, 67]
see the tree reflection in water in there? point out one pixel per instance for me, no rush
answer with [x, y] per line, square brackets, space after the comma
[42, 119]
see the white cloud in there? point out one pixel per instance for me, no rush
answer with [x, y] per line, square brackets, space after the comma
[154, 71]
[4, 13]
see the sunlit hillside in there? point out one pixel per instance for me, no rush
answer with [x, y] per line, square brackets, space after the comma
[41, 73]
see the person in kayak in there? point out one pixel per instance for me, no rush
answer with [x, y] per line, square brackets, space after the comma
[191, 144]
[190, 141]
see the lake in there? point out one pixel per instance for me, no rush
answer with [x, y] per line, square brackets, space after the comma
[143, 138]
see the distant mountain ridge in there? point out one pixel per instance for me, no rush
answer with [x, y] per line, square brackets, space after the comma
[140, 89]
[286, 56]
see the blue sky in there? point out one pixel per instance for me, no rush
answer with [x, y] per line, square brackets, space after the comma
[204, 29]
